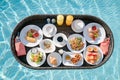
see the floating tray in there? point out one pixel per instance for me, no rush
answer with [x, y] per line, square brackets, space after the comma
[40, 20]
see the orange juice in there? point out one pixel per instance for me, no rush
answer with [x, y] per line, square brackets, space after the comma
[69, 20]
[60, 19]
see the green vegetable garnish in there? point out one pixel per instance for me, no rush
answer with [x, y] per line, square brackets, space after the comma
[79, 39]
[96, 35]
[29, 34]
[36, 57]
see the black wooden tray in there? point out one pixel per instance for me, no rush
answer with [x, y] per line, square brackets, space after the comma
[40, 20]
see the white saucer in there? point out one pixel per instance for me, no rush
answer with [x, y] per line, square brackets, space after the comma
[61, 43]
[57, 56]
[77, 25]
[49, 30]
[51, 49]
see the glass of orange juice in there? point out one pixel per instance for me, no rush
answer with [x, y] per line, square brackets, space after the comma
[60, 19]
[69, 20]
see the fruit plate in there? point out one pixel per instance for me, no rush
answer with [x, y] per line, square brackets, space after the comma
[41, 20]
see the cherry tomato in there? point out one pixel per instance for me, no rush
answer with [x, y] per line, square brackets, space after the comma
[35, 35]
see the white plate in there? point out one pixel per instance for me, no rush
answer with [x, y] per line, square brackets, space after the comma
[63, 42]
[49, 30]
[51, 49]
[24, 32]
[99, 51]
[57, 56]
[99, 39]
[72, 36]
[33, 63]
[68, 63]
[77, 25]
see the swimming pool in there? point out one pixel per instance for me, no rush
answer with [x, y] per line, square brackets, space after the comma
[11, 12]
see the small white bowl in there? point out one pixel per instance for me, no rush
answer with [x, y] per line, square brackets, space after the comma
[49, 50]
[49, 30]
[60, 40]
[77, 25]
[72, 36]
[57, 56]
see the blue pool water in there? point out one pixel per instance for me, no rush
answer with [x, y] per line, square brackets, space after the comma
[13, 11]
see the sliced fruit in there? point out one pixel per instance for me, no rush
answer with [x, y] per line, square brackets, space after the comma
[94, 28]
[92, 61]
[91, 35]
[90, 49]
[95, 49]
[36, 34]
[94, 38]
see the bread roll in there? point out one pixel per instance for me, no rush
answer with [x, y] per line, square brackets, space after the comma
[30, 39]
